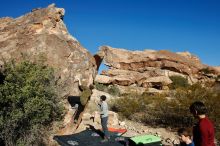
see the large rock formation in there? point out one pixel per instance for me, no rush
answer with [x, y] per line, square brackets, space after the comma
[43, 33]
[150, 68]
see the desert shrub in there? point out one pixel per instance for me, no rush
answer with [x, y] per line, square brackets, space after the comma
[28, 103]
[157, 110]
[131, 104]
[101, 87]
[113, 90]
[178, 82]
[126, 106]
[210, 98]
[176, 111]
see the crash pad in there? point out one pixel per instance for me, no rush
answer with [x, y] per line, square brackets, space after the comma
[90, 138]
[145, 140]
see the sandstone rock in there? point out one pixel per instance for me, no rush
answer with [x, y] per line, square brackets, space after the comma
[103, 79]
[96, 95]
[43, 33]
[97, 117]
[128, 68]
[125, 77]
[190, 56]
[159, 79]
[121, 123]
[113, 118]
[131, 89]
[132, 60]
[86, 117]
[217, 69]
[69, 116]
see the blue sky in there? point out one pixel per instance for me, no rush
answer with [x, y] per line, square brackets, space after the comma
[175, 25]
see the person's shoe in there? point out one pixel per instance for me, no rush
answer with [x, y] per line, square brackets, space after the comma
[105, 140]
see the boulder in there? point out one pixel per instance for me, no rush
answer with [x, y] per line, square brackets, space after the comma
[125, 77]
[86, 117]
[131, 89]
[103, 79]
[42, 35]
[96, 95]
[112, 118]
[164, 80]
[151, 68]
[134, 60]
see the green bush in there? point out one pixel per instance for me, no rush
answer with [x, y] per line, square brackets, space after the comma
[133, 103]
[28, 103]
[157, 110]
[101, 87]
[126, 106]
[178, 82]
[112, 89]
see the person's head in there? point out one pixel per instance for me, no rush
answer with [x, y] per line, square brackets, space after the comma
[198, 108]
[185, 134]
[103, 98]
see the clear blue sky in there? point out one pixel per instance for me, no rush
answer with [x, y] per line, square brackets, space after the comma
[175, 25]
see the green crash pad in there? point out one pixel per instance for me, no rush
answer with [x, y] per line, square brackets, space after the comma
[146, 140]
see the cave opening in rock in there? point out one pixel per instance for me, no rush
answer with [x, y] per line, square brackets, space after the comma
[75, 103]
[158, 86]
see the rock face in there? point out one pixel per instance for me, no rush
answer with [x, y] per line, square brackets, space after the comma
[43, 33]
[150, 68]
[217, 68]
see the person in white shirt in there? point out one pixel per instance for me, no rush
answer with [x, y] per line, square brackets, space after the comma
[103, 106]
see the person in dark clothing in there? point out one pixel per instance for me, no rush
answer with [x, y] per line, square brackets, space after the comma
[203, 131]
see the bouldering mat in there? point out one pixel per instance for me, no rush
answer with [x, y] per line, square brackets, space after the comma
[90, 138]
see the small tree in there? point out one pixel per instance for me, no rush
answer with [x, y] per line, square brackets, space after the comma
[178, 82]
[28, 103]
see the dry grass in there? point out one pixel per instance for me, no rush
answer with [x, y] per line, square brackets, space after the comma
[157, 110]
